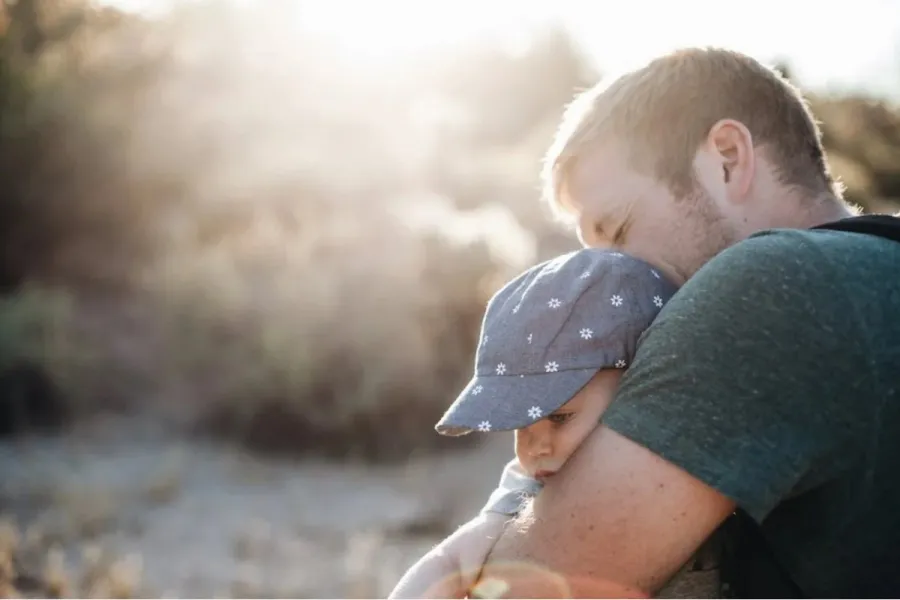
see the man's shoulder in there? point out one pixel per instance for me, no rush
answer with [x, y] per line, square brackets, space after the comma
[752, 273]
[743, 378]
[778, 289]
[788, 261]
[811, 246]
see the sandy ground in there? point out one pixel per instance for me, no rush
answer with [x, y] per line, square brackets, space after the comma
[125, 509]
[197, 519]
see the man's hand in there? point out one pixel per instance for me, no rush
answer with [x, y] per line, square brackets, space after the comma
[616, 521]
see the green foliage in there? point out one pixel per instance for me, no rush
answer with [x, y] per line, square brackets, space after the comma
[33, 326]
[67, 211]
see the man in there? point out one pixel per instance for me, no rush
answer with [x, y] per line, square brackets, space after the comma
[769, 382]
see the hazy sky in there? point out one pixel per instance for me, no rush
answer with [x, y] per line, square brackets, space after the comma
[832, 45]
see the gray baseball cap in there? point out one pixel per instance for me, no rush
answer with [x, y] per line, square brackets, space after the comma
[547, 332]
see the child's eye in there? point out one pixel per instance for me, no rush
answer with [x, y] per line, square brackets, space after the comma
[560, 418]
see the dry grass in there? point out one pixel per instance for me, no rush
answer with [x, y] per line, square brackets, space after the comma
[88, 511]
[30, 569]
[302, 529]
[361, 566]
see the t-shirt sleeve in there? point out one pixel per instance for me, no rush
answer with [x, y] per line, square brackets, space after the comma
[515, 488]
[747, 378]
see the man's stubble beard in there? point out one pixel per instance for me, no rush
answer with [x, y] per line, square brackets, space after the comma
[709, 231]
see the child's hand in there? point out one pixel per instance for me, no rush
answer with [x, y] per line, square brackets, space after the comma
[451, 568]
[476, 541]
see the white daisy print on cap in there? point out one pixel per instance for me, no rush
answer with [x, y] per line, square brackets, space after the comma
[551, 329]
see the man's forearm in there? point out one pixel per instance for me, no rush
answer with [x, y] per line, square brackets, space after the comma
[616, 521]
[523, 565]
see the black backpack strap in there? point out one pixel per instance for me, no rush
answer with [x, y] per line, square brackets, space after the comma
[885, 226]
[747, 568]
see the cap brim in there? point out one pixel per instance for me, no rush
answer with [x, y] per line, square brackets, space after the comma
[505, 402]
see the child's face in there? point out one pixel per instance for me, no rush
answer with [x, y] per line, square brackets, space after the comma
[543, 447]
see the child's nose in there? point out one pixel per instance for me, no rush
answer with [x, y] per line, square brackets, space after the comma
[540, 446]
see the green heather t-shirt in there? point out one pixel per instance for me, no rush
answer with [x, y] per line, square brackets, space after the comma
[773, 376]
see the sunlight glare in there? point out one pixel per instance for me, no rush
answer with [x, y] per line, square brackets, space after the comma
[826, 45]
[392, 30]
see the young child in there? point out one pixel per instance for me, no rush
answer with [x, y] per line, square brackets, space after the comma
[554, 342]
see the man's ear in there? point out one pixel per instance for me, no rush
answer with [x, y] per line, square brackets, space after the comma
[731, 144]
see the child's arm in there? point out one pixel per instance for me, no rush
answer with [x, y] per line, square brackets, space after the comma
[451, 568]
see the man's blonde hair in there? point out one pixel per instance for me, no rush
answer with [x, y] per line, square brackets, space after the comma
[664, 111]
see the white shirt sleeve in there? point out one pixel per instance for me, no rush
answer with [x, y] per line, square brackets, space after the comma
[514, 489]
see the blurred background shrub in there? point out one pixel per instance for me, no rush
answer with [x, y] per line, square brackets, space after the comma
[212, 219]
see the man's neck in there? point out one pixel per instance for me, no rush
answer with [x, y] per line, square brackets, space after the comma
[821, 210]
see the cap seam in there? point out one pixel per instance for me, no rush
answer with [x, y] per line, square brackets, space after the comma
[589, 287]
